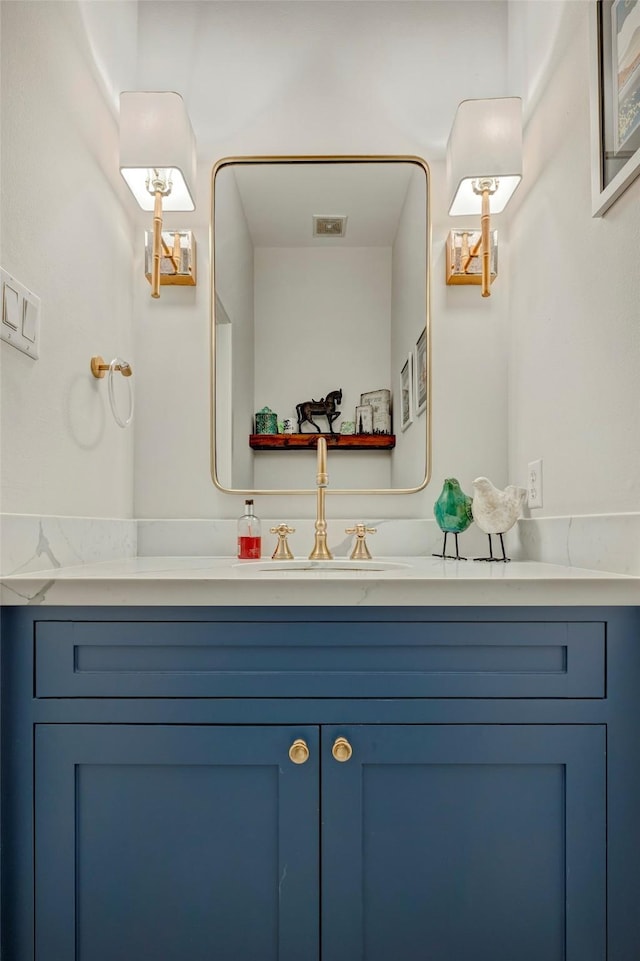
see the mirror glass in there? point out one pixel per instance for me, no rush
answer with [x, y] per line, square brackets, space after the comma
[320, 316]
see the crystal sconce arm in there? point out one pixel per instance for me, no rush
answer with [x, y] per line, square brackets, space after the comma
[464, 263]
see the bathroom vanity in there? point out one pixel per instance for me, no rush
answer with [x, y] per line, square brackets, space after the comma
[297, 782]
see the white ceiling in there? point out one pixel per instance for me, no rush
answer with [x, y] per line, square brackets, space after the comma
[236, 62]
[318, 77]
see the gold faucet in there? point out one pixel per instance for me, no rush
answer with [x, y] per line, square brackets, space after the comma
[320, 550]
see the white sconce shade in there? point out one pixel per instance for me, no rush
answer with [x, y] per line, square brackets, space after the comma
[485, 142]
[156, 133]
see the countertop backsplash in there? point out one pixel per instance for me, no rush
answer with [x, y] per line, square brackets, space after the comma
[600, 542]
[31, 543]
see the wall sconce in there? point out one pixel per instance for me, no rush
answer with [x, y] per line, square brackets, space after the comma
[157, 160]
[464, 266]
[484, 167]
[177, 257]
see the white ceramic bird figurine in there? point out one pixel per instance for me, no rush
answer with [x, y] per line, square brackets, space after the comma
[496, 511]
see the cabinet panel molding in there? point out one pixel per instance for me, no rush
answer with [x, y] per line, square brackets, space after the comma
[289, 658]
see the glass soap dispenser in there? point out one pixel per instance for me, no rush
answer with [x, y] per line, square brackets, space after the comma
[249, 534]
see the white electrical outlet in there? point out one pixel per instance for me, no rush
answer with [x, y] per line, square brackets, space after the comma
[534, 485]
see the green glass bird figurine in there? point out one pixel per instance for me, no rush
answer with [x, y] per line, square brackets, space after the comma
[453, 514]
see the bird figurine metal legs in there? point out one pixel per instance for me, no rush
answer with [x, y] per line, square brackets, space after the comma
[504, 557]
[452, 557]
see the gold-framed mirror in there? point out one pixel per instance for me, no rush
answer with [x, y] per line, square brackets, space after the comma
[320, 313]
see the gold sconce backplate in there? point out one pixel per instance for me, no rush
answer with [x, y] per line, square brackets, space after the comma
[178, 260]
[464, 260]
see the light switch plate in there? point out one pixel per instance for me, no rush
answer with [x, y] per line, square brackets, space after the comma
[20, 321]
[10, 302]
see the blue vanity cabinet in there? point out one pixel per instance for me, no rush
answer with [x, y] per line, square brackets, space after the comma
[465, 842]
[174, 842]
[486, 808]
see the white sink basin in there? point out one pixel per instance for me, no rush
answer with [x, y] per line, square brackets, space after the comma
[316, 567]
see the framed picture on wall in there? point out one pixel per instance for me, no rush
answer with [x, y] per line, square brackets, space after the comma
[615, 99]
[406, 393]
[420, 372]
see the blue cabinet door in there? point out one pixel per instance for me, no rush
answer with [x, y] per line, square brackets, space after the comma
[173, 843]
[464, 843]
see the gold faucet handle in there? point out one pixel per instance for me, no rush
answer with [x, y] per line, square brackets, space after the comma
[360, 550]
[282, 551]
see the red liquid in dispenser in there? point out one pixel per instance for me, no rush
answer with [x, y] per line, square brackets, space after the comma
[249, 548]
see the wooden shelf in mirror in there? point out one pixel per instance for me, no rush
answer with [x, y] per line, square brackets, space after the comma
[334, 441]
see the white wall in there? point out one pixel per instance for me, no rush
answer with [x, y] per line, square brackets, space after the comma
[470, 343]
[574, 309]
[66, 235]
[299, 90]
[321, 323]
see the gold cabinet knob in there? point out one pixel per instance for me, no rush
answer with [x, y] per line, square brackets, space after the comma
[299, 752]
[341, 749]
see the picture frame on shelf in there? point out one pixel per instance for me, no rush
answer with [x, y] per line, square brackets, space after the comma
[376, 397]
[364, 419]
[406, 393]
[615, 100]
[420, 373]
[380, 403]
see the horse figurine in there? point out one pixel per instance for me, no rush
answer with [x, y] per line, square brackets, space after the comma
[327, 407]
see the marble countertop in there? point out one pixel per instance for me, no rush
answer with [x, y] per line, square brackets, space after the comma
[419, 581]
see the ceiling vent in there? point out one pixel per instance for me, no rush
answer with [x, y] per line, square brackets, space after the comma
[329, 226]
